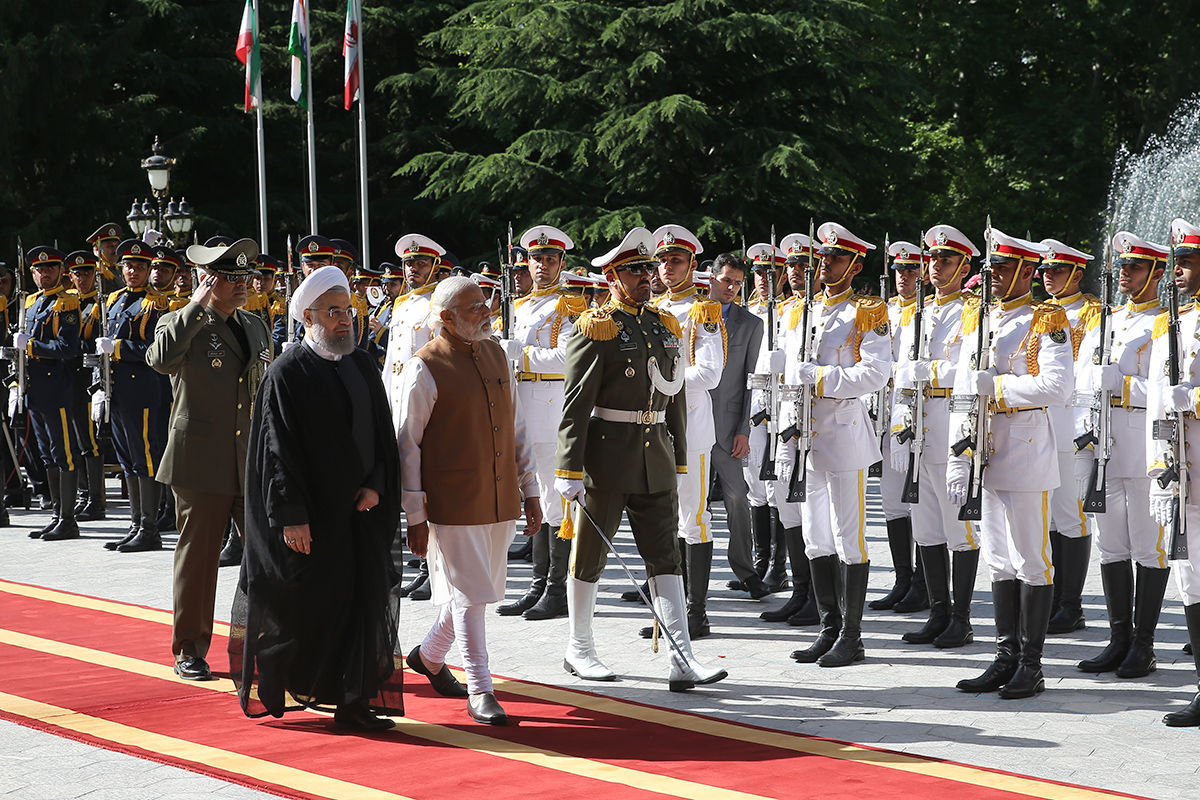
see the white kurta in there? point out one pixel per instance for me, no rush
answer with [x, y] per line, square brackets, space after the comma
[467, 563]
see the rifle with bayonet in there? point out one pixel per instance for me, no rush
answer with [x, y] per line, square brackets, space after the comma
[1100, 434]
[879, 400]
[979, 416]
[507, 287]
[19, 360]
[289, 278]
[915, 432]
[802, 395]
[102, 362]
[1174, 430]
[768, 382]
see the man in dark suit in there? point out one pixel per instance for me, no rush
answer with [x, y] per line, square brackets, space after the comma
[216, 354]
[731, 416]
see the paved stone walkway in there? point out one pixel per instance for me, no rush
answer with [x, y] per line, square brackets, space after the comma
[1098, 731]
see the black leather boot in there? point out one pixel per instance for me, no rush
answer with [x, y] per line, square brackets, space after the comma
[1189, 715]
[959, 632]
[699, 568]
[1006, 607]
[67, 527]
[917, 598]
[231, 553]
[1035, 616]
[1147, 604]
[423, 587]
[760, 529]
[524, 551]
[631, 596]
[147, 538]
[419, 581]
[135, 514]
[825, 579]
[777, 573]
[541, 568]
[899, 533]
[54, 485]
[849, 646]
[936, 562]
[96, 505]
[165, 521]
[801, 578]
[553, 602]
[1069, 575]
[1117, 578]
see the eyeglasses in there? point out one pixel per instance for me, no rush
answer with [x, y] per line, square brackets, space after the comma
[334, 313]
[233, 278]
[636, 269]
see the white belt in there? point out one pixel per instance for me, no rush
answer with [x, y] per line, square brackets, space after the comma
[633, 417]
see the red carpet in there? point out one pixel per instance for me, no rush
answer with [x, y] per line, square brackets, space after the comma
[93, 670]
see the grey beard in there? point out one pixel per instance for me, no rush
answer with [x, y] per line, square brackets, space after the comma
[338, 345]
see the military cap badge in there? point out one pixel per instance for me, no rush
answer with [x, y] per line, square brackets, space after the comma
[242, 260]
[1050, 254]
[78, 259]
[1126, 246]
[543, 238]
[312, 247]
[831, 237]
[903, 253]
[136, 249]
[642, 251]
[941, 237]
[669, 238]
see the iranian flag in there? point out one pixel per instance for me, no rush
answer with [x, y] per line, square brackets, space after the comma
[298, 48]
[350, 52]
[247, 53]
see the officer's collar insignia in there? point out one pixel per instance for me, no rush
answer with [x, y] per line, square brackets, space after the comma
[543, 239]
[312, 247]
[241, 259]
[642, 249]
[941, 237]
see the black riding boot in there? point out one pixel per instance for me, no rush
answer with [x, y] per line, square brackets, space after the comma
[849, 646]
[776, 579]
[147, 538]
[96, 505]
[899, 533]
[541, 568]
[1006, 606]
[165, 520]
[54, 487]
[1117, 578]
[760, 529]
[959, 631]
[1147, 604]
[553, 602]
[67, 527]
[826, 574]
[1069, 574]
[231, 553]
[801, 578]
[917, 598]
[699, 568]
[135, 514]
[1035, 616]
[1189, 715]
[936, 562]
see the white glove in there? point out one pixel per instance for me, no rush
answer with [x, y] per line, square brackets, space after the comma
[97, 406]
[922, 370]
[106, 346]
[12, 402]
[984, 381]
[958, 472]
[1083, 474]
[288, 343]
[903, 375]
[776, 360]
[152, 237]
[569, 488]
[1108, 377]
[20, 340]
[1162, 501]
[1179, 398]
[806, 372]
[899, 454]
[514, 350]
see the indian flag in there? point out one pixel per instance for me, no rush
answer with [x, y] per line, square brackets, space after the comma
[247, 53]
[298, 48]
[350, 52]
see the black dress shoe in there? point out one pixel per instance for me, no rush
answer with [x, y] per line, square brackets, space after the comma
[484, 708]
[193, 668]
[736, 586]
[757, 588]
[65, 529]
[522, 552]
[359, 718]
[231, 554]
[126, 539]
[422, 592]
[443, 681]
[420, 580]
[632, 595]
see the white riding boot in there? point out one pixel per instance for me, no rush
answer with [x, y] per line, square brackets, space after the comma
[581, 658]
[686, 671]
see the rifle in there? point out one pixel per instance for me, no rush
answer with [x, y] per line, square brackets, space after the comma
[915, 432]
[802, 395]
[880, 399]
[1100, 435]
[287, 291]
[768, 381]
[977, 438]
[507, 287]
[22, 323]
[1174, 430]
[103, 382]
[748, 271]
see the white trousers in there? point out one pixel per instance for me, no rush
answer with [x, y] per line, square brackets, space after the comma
[790, 514]
[466, 624]
[695, 523]
[1187, 573]
[935, 519]
[1126, 530]
[758, 443]
[891, 486]
[835, 516]
[1066, 510]
[552, 502]
[1016, 536]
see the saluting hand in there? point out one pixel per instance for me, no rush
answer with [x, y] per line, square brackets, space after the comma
[204, 290]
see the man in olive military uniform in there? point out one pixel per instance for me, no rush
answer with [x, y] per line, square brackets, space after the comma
[51, 344]
[216, 355]
[85, 429]
[621, 443]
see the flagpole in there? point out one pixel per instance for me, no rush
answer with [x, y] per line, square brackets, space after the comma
[362, 142]
[260, 145]
[312, 128]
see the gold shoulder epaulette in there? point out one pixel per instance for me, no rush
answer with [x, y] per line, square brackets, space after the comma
[278, 306]
[359, 302]
[1048, 318]
[671, 322]
[705, 312]
[970, 313]
[156, 301]
[1160, 325]
[872, 312]
[1089, 315]
[597, 324]
[570, 305]
[113, 296]
[176, 304]
[30, 299]
[254, 302]
[66, 302]
[906, 314]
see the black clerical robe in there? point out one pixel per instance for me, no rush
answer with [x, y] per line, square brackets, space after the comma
[318, 630]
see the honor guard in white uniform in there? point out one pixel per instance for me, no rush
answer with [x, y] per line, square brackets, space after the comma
[1126, 532]
[703, 354]
[849, 357]
[1030, 368]
[1167, 403]
[542, 322]
[1070, 543]
[948, 547]
[801, 607]
[907, 270]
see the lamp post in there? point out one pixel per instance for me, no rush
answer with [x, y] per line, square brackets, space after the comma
[177, 217]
